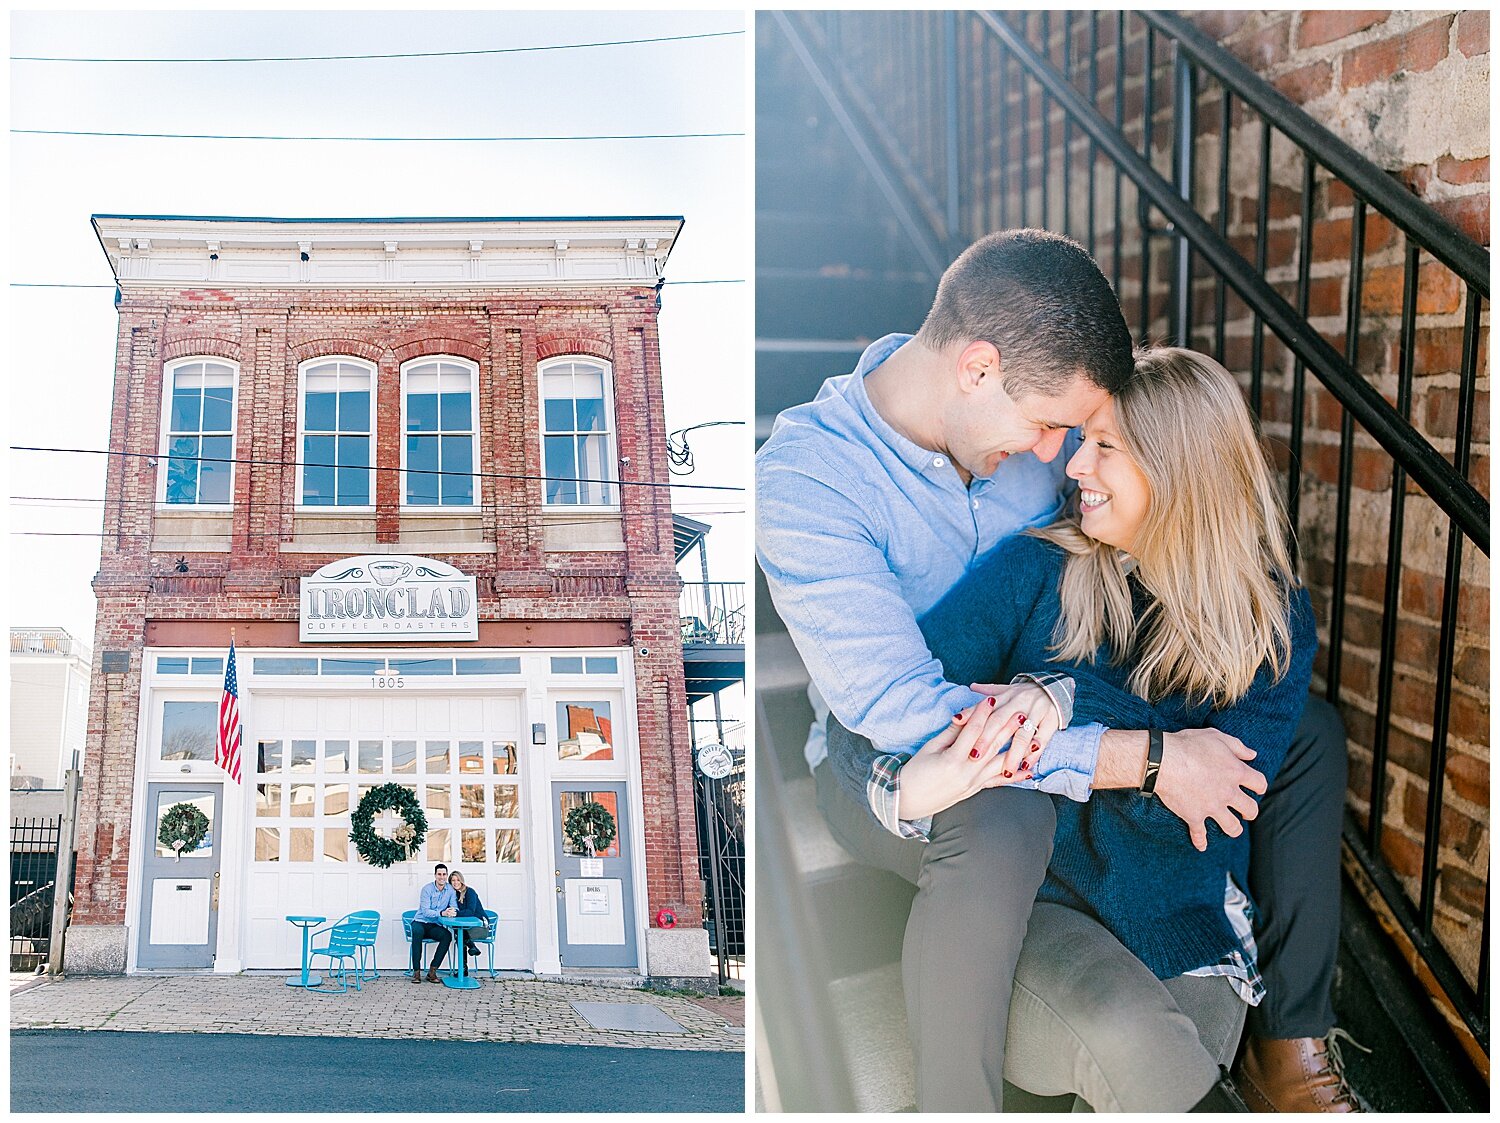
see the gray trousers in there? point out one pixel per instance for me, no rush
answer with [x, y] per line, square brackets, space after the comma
[977, 880]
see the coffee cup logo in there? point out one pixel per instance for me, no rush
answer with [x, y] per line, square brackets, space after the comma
[388, 572]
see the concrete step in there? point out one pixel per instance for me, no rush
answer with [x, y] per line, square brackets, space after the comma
[839, 308]
[872, 1011]
[805, 236]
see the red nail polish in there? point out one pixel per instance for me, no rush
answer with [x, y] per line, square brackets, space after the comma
[973, 754]
[959, 716]
[1008, 775]
[1018, 717]
[1036, 746]
[992, 701]
[1025, 765]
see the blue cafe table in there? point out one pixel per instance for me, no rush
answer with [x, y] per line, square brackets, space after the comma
[462, 980]
[306, 923]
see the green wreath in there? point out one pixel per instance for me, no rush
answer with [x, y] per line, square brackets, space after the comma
[376, 849]
[182, 828]
[589, 823]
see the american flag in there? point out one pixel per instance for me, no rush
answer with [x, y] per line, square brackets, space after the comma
[227, 750]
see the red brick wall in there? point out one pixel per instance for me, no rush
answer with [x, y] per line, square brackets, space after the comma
[1409, 91]
[268, 333]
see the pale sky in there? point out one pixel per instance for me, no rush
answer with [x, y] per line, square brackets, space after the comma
[62, 340]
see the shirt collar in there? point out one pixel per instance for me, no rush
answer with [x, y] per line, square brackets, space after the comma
[913, 455]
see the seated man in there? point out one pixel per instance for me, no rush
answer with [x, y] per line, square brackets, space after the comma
[437, 900]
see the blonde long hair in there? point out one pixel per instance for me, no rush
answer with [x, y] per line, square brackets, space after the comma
[1212, 549]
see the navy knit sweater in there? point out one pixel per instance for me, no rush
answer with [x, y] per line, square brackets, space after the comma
[1120, 857]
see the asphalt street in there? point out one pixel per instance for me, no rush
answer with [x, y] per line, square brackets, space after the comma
[65, 1070]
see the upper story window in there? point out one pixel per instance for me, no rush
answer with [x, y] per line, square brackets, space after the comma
[198, 437]
[578, 440]
[438, 418]
[336, 398]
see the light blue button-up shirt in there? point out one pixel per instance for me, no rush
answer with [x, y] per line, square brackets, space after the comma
[433, 901]
[859, 531]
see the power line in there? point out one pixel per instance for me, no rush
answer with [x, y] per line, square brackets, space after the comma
[72, 285]
[399, 54]
[381, 139]
[370, 468]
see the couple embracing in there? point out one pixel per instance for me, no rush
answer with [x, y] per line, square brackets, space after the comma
[1045, 590]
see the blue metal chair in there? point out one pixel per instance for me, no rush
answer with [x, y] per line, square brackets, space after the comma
[369, 921]
[488, 941]
[406, 919]
[342, 948]
[367, 966]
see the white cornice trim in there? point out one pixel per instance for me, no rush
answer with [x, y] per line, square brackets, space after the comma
[256, 253]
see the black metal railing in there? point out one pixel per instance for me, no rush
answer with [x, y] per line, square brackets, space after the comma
[713, 612]
[33, 873]
[976, 121]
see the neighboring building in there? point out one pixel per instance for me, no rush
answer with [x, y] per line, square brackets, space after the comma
[417, 469]
[49, 686]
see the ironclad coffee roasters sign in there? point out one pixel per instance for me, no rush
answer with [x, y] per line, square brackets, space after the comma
[388, 596]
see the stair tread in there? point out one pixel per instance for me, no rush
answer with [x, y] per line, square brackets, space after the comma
[817, 852]
[872, 1013]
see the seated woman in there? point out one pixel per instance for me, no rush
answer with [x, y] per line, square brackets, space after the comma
[469, 904]
[1173, 602]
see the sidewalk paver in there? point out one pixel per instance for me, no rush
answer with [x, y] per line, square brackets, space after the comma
[524, 1010]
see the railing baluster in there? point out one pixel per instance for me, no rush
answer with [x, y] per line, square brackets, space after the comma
[950, 132]
[1002, 110]
[1183, 107]
[1437, 765]
[1262, 217]
[1299, 379]
[1142, 204]
[1025, 119]
[1346, 458]
[1119, 128]
[1220, 287]
[1380, 750]
[1094, 103]
[1046, 151]
[1067, 130]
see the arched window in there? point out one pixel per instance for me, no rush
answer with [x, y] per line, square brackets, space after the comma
[578, 434]
[440, 424]
[334, 420]
[198, 433]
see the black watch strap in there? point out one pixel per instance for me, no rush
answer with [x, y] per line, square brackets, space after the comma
[1156, 743]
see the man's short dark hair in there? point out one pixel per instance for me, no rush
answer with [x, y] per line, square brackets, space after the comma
[439, 866]
[1041, 300]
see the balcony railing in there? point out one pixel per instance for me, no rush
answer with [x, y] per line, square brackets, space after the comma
[713, 612]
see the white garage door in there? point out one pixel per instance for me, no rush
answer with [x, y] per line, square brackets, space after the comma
[314, 758]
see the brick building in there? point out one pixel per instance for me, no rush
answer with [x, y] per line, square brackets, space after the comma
[416, 469]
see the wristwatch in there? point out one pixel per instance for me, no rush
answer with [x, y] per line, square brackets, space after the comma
[1156, 743]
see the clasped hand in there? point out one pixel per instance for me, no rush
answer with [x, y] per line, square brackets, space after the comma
[982, 747]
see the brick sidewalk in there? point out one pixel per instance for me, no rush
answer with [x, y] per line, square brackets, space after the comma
[389, 1007]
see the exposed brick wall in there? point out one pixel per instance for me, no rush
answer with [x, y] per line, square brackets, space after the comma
[1409, 91]
[268, 332]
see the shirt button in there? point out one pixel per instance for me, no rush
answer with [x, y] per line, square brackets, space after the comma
[938, 462]
[976, 504]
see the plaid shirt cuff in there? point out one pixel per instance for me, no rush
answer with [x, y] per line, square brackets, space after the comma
[1058, 687]
[883, 790]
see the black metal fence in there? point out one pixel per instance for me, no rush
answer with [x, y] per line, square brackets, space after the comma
[713, 612]
[720, 810]
[975, 121]
[33, 876]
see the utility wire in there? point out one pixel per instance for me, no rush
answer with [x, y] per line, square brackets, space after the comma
[370, 467]
[394, 139]
[399, 54]
[69, 285]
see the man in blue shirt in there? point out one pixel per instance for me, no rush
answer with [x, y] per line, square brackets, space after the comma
[871, 502]
[437, 900]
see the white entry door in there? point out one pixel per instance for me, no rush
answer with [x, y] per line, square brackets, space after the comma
[310, 760]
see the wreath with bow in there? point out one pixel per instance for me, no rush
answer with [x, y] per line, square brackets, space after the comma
[589, 827]
[376, 849]
[182, 829]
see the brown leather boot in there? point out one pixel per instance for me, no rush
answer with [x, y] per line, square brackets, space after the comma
[1297, 1074]
[431, 975]
[416, 977]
